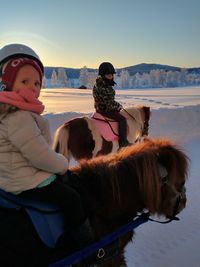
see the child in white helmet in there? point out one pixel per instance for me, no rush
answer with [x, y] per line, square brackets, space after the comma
[29, 166]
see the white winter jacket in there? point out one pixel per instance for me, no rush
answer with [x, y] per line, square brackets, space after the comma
[26, 156]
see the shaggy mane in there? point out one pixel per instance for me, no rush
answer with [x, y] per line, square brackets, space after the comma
[139, 161]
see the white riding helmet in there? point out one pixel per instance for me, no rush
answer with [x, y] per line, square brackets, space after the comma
[18, 50]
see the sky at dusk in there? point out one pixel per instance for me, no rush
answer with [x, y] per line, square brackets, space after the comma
[74, 33]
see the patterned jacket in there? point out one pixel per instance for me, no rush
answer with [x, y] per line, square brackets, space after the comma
[104, 97]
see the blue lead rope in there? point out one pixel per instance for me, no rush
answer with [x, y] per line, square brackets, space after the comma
[84, 253]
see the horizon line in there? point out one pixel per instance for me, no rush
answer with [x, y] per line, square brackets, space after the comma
[124, 67]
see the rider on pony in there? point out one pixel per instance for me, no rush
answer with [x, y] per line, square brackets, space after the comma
[29, 167]
[104, 98]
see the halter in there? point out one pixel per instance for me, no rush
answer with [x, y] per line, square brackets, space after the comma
[179, 196]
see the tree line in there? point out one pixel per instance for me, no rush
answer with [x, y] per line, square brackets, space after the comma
[154, 79]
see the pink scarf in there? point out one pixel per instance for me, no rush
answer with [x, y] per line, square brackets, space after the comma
[24, 99]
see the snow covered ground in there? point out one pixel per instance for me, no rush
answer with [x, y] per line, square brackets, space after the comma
[175, 115]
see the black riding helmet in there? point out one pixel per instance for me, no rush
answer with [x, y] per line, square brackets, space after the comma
[106, 68]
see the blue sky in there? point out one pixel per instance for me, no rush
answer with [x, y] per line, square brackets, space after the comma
[74, 33]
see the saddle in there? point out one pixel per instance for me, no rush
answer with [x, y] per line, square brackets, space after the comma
[46, 218]
[49, 225]
[107, 127]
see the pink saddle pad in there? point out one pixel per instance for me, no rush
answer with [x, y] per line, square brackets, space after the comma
[108, 128]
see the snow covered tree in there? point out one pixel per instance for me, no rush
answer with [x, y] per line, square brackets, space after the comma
[84, 77]
[62, 77]
[182, 79]
[91, 79]
[124, 79]
[172, 79]
[54, 78]
[154, 78]
[137, 81]
[44, 81]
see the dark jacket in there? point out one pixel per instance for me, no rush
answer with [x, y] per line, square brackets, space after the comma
[104, 97]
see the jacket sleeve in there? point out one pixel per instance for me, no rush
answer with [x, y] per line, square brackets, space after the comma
[25, 135]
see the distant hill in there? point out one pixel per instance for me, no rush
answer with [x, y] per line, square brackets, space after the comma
[144, 67]
[141, 68]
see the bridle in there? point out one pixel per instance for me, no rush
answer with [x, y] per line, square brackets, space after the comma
[179, 195]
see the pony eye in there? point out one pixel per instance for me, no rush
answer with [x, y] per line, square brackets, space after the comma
[181, 187]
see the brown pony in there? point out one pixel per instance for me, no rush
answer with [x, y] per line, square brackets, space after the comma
[148, 175]
[114, 188]
[79, 138]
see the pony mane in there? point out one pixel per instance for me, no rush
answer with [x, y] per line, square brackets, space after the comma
[139, 162]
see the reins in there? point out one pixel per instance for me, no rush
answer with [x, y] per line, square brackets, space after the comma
[129, 114]
[98, 246]
[145, 129]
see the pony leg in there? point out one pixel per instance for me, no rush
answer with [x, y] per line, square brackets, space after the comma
[123, 133]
